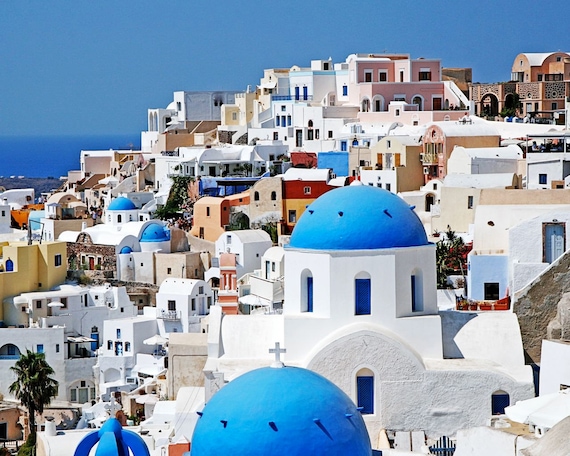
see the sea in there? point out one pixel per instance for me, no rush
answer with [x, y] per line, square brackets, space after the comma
[54, 156]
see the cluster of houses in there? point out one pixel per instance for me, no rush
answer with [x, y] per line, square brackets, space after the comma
[308, 213]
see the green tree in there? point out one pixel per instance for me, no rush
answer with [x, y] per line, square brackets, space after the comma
[451, 257]
[33, 387]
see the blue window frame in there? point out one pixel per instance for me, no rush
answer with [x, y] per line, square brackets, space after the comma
[40, 348]
[309, 294]
[365, 394]
[277, 118]
[362, 296]
[305, 93]
[499, 402]
[296, 93]
[542, 179]
[343, 146]
[414, 302]
[288, 121]
[344, 90]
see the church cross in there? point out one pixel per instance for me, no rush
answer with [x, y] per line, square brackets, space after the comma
[277, 350]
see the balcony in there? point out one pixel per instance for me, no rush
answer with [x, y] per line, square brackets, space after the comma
[169, 315]
[291, 98]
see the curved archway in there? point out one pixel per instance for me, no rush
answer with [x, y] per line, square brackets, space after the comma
[365, 105]
[239, 221]
[418, 100]
[378, 103]
[9, 351]
[489, 105]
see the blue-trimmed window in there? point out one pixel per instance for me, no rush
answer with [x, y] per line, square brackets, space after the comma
[297, 93]
[343, 146]
[365, 394]
[344, 90]
[277, 118]
[362, 296]
[305, 93]
[499, 401]
[309, 294]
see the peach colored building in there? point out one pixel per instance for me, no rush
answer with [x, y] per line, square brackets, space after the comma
[228, 293]
[211, 215]
[542, 82]
[440, 138]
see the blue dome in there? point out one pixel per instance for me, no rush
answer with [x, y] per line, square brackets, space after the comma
[121, 204]
[284, 411]
[126, 249]
[155, 233]
[358, 217]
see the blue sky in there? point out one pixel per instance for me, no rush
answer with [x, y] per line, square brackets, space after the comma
[95, 67]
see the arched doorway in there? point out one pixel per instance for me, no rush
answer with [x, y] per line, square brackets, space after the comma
[489, 105]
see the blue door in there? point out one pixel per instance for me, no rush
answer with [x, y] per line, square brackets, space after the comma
[296, 93]
[553, 241]
[365, 393]
[305, 93]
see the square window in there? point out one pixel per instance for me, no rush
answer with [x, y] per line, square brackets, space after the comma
[171, 305]
[367, 75]
[382, 76]
[292, 216]
[307, 190]
[40, 348]
[283, 108]
[57, 260]
[491, 291]
[542, 180]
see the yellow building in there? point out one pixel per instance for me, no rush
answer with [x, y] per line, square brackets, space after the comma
[36, 267]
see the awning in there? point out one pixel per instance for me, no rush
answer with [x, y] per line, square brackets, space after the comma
[146, 399]
[268, 85]
[157, 339]
[80, 339]
[254, 300]
[149, 369]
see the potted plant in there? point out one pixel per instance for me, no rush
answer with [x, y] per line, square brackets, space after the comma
[436, 233]
[485, 305]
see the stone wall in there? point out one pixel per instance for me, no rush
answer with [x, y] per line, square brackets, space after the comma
[537, 307]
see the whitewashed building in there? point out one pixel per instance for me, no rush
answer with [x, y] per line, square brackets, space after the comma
[360, 308]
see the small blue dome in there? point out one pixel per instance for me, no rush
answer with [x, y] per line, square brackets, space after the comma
[284, 411]
[358, 217]
[155, 233]
[121, 204]
[126, 249]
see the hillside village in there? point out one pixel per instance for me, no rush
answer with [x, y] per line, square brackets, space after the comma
[382, 221]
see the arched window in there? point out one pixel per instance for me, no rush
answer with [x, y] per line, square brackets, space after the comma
[306, 291]
[255, 196]
[362, 294]
[310, 134]
[365, 391]
[418, 100]
[378, 103]
[416, 289]
[365, 105]
[499, 400]
[273, 196]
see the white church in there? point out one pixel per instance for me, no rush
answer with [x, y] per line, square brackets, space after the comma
[360, 309]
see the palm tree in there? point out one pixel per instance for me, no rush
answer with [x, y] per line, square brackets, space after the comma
[33, 386]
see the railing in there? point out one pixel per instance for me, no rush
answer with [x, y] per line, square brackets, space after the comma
[169, 153]
[9, 357]
[291, 98]
[10, 443]
[171, 315]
